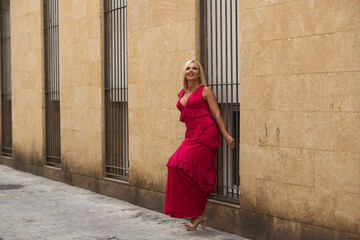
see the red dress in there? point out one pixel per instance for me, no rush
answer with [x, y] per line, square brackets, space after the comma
[191, 170]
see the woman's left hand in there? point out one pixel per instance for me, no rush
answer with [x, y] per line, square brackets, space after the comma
[230, 141]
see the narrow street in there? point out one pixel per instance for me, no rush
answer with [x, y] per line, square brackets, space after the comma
[33, 207]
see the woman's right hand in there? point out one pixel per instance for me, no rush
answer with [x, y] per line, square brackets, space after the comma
[230, 141]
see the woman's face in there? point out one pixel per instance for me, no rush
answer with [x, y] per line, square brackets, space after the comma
[192, 72]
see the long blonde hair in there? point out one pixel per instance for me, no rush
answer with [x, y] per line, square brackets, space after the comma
[202, 80]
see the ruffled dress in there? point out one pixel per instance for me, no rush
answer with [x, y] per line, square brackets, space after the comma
[191, 170]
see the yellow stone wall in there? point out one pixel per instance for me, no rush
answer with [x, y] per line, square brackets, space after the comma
[81, 87]
[27, 80]
[300, 111]
[162, 36]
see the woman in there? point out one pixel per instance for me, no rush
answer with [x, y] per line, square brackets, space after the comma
[191, 171]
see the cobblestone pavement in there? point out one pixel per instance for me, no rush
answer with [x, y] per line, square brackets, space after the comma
[33, 207]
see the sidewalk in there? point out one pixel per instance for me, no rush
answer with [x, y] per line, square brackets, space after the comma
[33, 207]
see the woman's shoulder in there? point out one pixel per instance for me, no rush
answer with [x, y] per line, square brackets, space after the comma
[207, 90]
[181, 91]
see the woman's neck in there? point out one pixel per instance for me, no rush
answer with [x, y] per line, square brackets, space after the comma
[193, 85]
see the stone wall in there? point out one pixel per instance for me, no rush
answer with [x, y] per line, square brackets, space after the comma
[81, 87]
[300, 119]
[28, 119]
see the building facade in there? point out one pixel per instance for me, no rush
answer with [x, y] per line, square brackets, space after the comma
[88, 93]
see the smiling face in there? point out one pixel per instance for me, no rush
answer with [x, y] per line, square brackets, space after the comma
[192, 72]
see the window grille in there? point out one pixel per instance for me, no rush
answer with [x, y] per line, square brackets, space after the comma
[220, 57]
[116, 91]
[52, 84]
[6, 112]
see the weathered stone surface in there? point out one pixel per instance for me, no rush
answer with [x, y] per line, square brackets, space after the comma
[27, 80]
[81, 91]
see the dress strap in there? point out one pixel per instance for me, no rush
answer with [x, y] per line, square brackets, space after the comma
[181, 93]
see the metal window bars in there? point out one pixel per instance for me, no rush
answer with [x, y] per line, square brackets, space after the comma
[220, 56]
[116, 91]
[6, 111]
[52, 84]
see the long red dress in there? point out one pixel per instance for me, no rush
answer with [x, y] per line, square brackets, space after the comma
[191, 170]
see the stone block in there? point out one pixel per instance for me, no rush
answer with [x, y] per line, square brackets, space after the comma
[20, 43]
[81, 119]
[177, 62]
[68, 138]
[324, 207]
[248, 188]
[139, 124]
[139, 97]
[79, 52]
[138, 70]
[338, 171]
[182, 36]
[66, 32]
[287, 201]
[134, 2]
[245, 4]
[163, 123]
[164, 11]
[34, 6]
[172, 144]
[67, 96]
[78, 9]
[159, 72]
[303, 92]
[36, 41]
[248, 127]
[138, 43]
[347, 134]
[66, 56]
[165, 96]
[347, 51]
[296, 129]
[93, 51]
[314, 54]
[347, 212]
[34, 21]
[18, 8]
[86, 97]
[285, 165]
[159, 40]
[336, 16]
[17, 84]
[346, 93]
[266, 58]
[91, 149]
[277, 21]
[137, 16]
[95, 26]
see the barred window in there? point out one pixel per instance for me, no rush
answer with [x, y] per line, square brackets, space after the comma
[52, 85]
[220, 57]
[116, 91]
[6, 112]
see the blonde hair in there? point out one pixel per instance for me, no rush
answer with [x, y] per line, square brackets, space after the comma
[202, 80]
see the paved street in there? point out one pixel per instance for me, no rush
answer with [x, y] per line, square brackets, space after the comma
[33, 207]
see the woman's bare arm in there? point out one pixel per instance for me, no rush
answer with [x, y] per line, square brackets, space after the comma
[209, 96]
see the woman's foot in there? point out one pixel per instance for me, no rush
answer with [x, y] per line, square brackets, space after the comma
[194, 222]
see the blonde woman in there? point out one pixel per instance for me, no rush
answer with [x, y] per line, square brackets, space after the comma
[191, 170]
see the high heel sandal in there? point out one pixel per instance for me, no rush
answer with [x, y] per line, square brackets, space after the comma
[193, 227]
